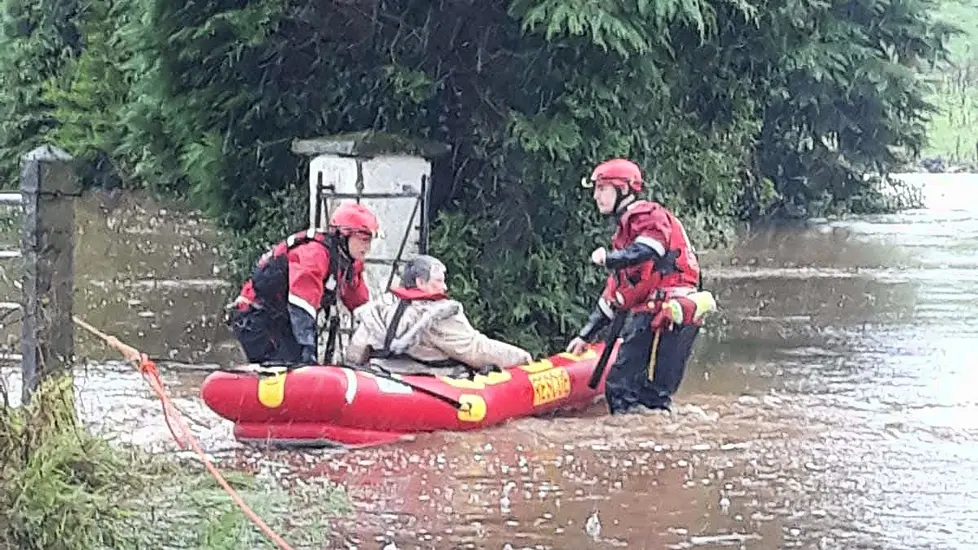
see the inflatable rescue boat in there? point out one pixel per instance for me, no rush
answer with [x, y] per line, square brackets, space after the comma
[341, 406]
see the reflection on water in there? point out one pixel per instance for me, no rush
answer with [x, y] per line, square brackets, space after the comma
[828, 406]
[146, 274]
[150, 276]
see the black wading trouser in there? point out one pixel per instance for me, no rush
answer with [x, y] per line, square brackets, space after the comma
[629, 382]
[265, 338]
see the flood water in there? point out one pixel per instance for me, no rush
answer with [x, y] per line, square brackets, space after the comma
[829, 405]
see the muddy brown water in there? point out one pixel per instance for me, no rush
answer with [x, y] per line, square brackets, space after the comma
[830, 405]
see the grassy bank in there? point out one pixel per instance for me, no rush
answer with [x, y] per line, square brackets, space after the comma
[951, 131]
[951, 134]
[63, 489]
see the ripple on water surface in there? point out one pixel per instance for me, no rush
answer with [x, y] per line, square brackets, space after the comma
[832, 408]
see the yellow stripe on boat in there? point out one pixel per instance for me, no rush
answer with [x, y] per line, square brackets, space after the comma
[538, 366]
[479, 381]
[588, 354]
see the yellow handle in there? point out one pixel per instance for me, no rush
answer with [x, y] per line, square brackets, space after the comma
[271, 390]
[655, 352]
[703, 299]
[705, 303]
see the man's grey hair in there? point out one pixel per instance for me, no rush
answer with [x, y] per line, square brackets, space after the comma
[420, 267]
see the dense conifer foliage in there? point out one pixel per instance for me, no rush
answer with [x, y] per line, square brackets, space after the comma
[735, 108]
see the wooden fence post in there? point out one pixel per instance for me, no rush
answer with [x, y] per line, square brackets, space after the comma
[49, 185]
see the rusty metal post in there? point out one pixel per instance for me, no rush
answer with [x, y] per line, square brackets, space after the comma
[49, 185]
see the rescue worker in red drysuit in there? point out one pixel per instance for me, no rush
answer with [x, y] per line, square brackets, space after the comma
[651, 261]
[274, 317]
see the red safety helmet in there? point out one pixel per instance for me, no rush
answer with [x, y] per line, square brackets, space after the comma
[352, 218]
[621, 173]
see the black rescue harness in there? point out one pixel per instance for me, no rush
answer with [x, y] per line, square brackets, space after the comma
[270, 279]
[386, 353]
[461, 369]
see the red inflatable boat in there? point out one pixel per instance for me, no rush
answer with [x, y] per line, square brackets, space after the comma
[330, 405]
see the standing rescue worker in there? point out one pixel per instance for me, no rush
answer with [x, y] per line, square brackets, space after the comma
[655, 277]
[274, 317]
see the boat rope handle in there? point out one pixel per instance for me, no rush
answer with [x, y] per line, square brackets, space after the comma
[148, 368]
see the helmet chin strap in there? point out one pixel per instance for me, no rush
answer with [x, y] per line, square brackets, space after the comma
[622, 199]
[345, 246]
[343, 243]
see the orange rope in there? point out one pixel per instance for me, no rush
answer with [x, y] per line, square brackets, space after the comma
[148, 368]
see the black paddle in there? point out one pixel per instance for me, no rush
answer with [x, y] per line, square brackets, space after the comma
[383, 373]
[617, 324]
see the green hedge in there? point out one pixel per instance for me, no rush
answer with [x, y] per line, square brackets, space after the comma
[734, 109]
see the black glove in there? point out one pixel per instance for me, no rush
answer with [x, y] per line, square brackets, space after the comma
[597, 321]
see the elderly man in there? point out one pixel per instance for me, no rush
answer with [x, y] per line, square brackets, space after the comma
[417, 329]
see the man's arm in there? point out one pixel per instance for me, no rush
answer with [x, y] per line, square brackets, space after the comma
[308, 267]
[652, 230]
[458, 339]
[601, 315]
[358, 349]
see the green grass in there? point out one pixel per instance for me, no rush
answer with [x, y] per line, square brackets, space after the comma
[953, 132]
[192, 511]
[62, 488]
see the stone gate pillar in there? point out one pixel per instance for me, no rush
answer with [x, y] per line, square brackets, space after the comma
[389, 174]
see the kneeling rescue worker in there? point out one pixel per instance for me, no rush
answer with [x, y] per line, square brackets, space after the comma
[654, 276]
[274, 317]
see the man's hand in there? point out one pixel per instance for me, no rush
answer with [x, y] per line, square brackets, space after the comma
[577, 346]
[662, 320]
[599, 255]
